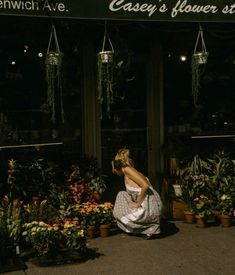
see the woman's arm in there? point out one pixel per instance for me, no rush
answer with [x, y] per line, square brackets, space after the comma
[140, 180]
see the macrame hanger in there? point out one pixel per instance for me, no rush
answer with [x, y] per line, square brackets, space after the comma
[106, 35]
[200, 35]
[54, 35]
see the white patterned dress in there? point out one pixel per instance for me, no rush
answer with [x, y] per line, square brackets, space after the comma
[142, 220]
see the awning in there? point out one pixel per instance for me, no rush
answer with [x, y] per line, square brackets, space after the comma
[141, 10]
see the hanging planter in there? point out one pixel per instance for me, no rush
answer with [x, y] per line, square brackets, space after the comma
[106, 57]
[105, 73]
[199, 59]
[53, 64]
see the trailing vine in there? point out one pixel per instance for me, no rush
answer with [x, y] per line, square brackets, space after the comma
[53, 64]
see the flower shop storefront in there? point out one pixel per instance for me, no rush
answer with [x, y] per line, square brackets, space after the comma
[64, 111]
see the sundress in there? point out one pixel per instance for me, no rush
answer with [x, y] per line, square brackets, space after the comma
[142, 220]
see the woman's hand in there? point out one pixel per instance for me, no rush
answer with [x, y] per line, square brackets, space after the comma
[134, 205]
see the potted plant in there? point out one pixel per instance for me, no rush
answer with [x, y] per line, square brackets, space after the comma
[225, 206]
[199, 59]
[202, 206]
[105, 218]
[192, 176]
[97, 186]
[88, 214]
[222, 175]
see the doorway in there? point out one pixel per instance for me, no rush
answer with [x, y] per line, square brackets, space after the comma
[127, 124]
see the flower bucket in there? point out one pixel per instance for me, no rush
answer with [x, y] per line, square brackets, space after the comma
[200, 57]
[106, 56]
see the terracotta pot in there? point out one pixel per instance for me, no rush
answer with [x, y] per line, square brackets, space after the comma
[225, 220]
[90, 231]
[104, 230]
[189, 217]
[96, 196]
[201, 222]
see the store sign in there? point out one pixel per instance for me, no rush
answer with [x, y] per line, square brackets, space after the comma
[152, 10]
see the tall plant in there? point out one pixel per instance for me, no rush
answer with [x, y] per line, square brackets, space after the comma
[193, 179]
[222, 174]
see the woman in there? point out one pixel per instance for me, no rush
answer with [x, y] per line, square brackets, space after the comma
[138, 209]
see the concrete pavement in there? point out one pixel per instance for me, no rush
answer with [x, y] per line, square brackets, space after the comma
[183, 249]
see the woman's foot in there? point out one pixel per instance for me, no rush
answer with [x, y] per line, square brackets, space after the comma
[151, 236]
[148, 236]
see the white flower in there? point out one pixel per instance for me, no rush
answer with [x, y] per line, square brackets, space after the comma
[224, 197]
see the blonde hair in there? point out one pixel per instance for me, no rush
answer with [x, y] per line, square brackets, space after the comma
[122, 159]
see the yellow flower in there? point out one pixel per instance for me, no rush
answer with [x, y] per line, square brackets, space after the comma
[11, 164]
[34, 229]
[42, 224]
[80, 233]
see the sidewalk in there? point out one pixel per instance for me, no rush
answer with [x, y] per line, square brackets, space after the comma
[182, 250]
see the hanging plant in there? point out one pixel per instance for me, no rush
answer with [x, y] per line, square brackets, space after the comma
[199, 59]
[53, 64]
[105, 73]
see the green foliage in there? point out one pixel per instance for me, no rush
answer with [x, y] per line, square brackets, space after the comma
[194, 181]
[222, 174]
[225, 204]
[48, 239]
[10, 221]
[97, 184]
[202, 206]
[105, 213]
[209, 184]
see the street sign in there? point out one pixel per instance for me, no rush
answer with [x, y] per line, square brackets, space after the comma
[137, 10]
